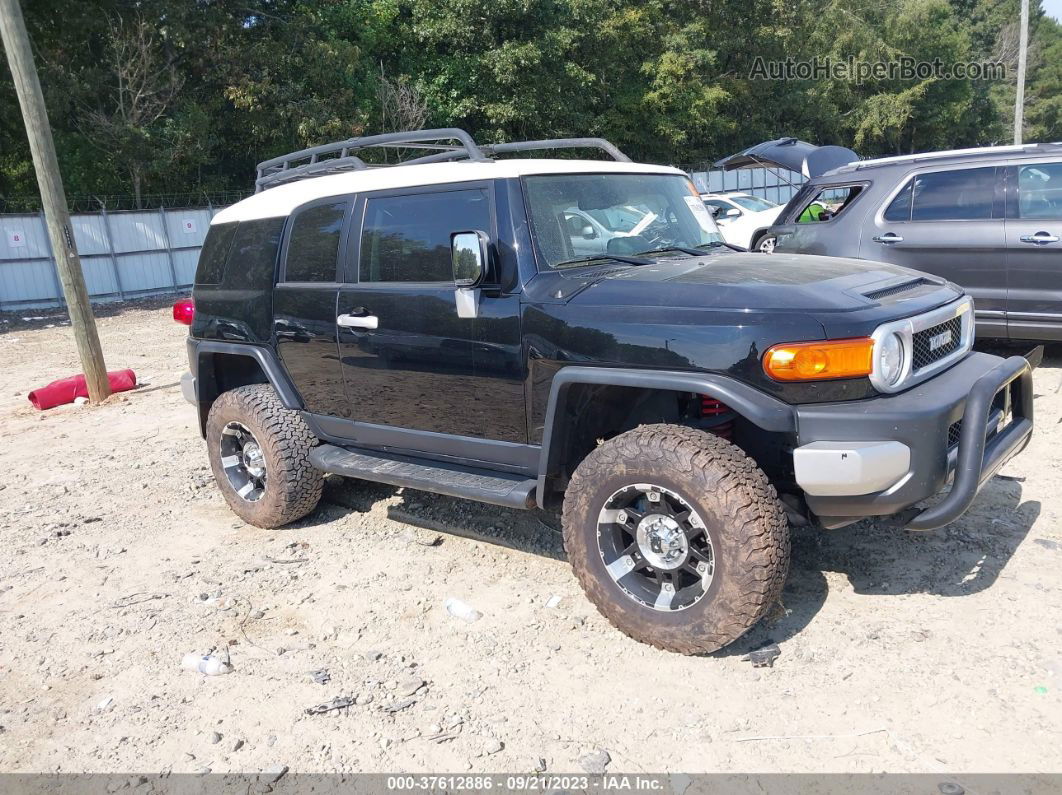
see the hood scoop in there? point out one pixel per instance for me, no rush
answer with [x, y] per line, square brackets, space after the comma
[909, 289]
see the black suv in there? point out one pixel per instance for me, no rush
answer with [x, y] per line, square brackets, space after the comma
[989, 219]
[444, 325]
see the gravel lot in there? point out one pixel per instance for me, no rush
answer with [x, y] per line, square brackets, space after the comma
[899, 651]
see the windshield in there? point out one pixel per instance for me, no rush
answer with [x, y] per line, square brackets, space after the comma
[753, 203]
[580, 217]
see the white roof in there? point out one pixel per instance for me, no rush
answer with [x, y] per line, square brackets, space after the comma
[281, 200]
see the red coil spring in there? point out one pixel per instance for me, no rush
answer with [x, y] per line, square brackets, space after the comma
[712, 409]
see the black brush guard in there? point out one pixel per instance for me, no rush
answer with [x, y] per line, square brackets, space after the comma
[978, 456]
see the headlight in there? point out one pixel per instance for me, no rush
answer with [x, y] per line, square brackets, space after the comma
[890, 355]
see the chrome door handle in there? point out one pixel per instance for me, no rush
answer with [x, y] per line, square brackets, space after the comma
[1039, 239]
[888, 237]
[358, 321]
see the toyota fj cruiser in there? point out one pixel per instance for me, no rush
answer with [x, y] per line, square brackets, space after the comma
[574, 333]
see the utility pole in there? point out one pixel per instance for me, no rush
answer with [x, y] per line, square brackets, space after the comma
[1023, 54]
[53, 197]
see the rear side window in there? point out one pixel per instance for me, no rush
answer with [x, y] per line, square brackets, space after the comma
[215, 252]
[900, 208]
[1040, 191]
[961, 195]
[313, 250]
[828, 203]
[407, 238]
[252, 259]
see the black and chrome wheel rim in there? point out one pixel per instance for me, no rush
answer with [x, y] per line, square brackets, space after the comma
[655, 547]
[767, 245]
[243, 461]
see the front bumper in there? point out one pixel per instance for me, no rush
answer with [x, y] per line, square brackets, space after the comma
[962, 425]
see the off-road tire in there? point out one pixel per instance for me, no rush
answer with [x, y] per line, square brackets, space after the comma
[740, 510]
[293, 486]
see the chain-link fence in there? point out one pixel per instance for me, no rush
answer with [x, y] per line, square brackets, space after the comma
[90, 203]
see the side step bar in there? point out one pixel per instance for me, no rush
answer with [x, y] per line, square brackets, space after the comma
[496, 488]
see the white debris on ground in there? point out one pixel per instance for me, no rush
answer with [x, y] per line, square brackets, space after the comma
[898, 651]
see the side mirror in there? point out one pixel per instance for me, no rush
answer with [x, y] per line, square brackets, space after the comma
[468, 254]
[589, 233]
[733, 212]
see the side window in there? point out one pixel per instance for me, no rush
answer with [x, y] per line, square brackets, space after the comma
[1040, 191]
[962, 195]
[578, 226]
[252, 259]
[828, 203]
[722, 209]
[900, 208]
[313, 250]
[407, 238]
[214, 253]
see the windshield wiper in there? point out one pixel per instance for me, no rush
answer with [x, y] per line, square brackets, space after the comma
[664, 249]
[571, 263]
[722, 244]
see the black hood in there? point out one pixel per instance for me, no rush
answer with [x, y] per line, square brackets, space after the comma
[792, 155]
[787, 283]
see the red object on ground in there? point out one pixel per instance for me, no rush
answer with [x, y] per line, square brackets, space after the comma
[184, 311]
[64, 391]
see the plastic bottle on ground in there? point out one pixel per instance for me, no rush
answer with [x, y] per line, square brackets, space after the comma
[459, 609]
[206, 664]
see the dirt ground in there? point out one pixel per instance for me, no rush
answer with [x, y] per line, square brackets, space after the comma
[900, 651]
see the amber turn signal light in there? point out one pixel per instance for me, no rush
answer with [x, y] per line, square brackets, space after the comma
[816, 361]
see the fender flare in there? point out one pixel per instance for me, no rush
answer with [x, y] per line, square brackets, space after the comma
[266, 358]
[757, 407]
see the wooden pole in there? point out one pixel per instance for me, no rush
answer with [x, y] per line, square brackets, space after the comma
[1023, 55]
[53, 197]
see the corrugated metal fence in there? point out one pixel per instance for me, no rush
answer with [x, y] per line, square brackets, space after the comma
[776, 185]
[123, 255]
[133, 254]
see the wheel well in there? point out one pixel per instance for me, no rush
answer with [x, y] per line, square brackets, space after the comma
[218, 373]
[593, 413]
[759, 235]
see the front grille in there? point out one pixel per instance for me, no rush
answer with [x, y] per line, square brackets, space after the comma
[925, 353]
[954, 432]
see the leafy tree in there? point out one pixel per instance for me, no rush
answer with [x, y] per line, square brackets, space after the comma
[227, 83]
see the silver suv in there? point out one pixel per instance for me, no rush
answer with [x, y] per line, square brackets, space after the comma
[989, 219]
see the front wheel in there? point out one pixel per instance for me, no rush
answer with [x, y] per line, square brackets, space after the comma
[260, 454]
[676, 537]
[765, 245]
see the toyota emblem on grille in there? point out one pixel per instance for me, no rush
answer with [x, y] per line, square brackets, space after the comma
[938, 341]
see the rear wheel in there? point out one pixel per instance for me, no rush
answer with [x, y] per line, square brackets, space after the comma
[676, 537]
[259, 453]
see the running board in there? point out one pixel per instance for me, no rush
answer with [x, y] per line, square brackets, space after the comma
[496, 488]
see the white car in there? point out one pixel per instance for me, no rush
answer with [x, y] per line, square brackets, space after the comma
[739, 216]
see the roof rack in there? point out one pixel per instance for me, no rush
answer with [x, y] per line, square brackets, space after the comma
[973, 153]
[339, 157]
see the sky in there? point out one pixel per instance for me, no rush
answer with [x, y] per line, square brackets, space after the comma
[1053, 8]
